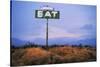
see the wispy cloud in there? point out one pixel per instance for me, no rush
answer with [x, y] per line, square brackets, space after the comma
[55, 32]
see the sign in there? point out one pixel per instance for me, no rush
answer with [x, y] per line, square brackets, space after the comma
[47, 14]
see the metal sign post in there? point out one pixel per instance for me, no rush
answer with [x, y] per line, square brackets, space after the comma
[47, 13]
[47, 33]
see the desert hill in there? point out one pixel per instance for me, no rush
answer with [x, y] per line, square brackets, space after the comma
[54, 55]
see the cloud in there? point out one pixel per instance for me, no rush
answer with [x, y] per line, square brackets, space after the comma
[88, 27]
[55, 32]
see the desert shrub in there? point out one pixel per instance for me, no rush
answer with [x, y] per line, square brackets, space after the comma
[87, 46]
[80, 45]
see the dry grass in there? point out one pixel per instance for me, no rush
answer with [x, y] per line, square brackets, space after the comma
[37, 55]
[71, 54]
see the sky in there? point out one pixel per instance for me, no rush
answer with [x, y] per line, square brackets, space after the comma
[76, 21]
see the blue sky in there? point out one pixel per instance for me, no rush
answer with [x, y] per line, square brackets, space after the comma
[76, 21]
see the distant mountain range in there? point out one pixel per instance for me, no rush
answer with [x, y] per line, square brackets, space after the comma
[17, 42]
[58, 41]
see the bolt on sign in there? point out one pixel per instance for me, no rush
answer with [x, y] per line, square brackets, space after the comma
[47, 14]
